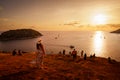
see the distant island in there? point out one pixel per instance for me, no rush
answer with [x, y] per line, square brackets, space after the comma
[116, 31]
[19, 34]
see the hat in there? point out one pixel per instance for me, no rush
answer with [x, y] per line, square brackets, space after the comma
[39, 40]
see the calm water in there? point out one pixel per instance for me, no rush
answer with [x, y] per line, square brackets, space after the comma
[101, 43]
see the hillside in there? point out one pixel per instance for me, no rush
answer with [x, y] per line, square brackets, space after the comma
[57, 67]
[19, 34]
[116, 31]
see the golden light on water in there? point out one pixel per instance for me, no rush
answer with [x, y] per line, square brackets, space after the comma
[98, 42]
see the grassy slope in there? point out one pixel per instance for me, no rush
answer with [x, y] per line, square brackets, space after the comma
[58, 67]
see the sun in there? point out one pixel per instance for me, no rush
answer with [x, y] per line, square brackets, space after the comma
[99, 19]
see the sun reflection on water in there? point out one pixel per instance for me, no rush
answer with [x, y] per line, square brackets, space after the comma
[98, 42]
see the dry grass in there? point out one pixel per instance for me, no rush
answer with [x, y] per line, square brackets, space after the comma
[57, 67]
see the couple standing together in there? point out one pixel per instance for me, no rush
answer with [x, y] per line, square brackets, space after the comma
[39, 54]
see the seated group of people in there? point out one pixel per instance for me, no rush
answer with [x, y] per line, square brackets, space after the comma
[15, 52]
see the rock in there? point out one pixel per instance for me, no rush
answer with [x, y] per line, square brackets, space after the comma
[117, 31]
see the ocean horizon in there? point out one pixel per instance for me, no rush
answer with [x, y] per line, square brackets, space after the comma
[103, 44]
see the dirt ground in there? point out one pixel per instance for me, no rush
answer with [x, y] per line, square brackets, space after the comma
[57, 67]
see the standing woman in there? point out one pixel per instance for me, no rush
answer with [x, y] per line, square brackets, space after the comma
[40, 54]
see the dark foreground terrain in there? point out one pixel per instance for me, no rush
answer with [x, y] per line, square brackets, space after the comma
[57, 67]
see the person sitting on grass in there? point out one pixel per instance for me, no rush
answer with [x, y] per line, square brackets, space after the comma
[14, 52]
[19, 52]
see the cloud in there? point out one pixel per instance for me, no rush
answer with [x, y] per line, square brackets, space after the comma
[4, 19]
[74, 23]
[115, 10]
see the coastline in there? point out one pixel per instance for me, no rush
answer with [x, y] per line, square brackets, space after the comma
[84, 41]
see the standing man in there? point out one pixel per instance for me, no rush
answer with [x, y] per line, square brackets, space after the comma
[40, 54]
[74, 54]
[63, 51]
[82, 53]
[85, 56]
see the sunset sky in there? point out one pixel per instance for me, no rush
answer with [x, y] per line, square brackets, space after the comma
[57, 14]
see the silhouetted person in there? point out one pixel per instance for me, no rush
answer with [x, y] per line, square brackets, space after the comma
[74, 54]
[63, 51]
[20, 53]
[91, 56]
[109, 59]
[82, 53]
[85, 56]
[14, 52]
[94, 55]
[60, 52]
[70, 53]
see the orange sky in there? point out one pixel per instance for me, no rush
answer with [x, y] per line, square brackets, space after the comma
[55, 14]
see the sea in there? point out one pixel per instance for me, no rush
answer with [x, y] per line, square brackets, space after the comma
[103, 44]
